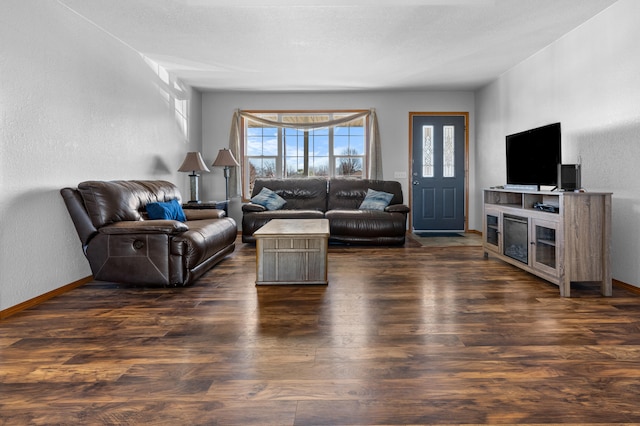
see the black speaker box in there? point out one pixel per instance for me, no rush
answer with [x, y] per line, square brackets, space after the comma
[569, 177]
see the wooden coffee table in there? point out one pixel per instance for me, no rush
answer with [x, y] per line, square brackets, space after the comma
[292, 251]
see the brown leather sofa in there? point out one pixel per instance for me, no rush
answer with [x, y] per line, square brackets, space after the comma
[123, 245]
[337, 200]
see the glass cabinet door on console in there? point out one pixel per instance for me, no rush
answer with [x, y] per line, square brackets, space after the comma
[492, 231]
[543, 245]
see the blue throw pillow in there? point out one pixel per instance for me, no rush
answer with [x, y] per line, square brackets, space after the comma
[376, 200]
[269, 199]
[170, 210]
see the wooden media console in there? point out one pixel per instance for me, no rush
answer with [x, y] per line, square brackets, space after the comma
[558, 236]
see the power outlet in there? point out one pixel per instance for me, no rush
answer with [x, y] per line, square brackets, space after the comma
[400, 175]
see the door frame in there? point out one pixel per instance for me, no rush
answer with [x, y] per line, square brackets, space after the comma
[466, 160]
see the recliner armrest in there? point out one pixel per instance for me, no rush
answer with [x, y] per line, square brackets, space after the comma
[397, 208]
[200, 214]
[144, 227]
[253, 208]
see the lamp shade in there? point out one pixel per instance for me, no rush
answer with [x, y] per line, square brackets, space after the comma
[225, 159]
[193, 163]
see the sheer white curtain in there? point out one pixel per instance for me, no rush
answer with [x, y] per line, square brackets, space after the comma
[374, 169]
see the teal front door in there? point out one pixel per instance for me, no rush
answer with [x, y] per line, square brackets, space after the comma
[438, 172]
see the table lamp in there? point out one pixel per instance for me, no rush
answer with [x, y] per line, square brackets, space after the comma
[225, 159]
[193, 163]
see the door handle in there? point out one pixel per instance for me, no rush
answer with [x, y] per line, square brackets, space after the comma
[415, 182]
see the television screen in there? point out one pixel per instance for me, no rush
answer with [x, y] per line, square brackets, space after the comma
[533, 156]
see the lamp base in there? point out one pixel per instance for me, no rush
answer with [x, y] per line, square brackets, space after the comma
[193, 181]
[226, 182]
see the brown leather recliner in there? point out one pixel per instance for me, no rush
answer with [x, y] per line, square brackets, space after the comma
[336, 199]
[306, 199]
[349, 224]
[122, 245]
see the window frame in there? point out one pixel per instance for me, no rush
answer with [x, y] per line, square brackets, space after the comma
[280, 161]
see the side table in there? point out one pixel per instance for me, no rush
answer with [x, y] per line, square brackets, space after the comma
[206, 205]
[292, 251]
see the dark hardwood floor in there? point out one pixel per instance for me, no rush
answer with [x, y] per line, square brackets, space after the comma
[408, 335]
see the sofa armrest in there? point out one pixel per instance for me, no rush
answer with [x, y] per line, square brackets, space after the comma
[397, 208]
[144, 227]
[200, 214]
[253, 208]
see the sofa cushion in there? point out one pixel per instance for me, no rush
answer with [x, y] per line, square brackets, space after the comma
[299, 193]
[167, 210]
[365, 224]
[349, 193]
[375, 200]
[113, 201]
[269, 199]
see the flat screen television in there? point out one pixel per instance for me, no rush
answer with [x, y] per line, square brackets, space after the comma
[533, 156]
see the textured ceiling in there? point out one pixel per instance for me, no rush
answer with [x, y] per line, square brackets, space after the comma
[331, 45]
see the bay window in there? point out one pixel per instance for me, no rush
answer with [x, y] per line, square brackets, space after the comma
[303, 144]
[288, 144]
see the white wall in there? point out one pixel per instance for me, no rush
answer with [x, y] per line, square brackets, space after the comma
[75, 105]
[590, 82]
[392, 109]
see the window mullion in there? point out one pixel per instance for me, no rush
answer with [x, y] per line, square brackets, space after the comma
[280, 159]
[332, 165]
[306, 153]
